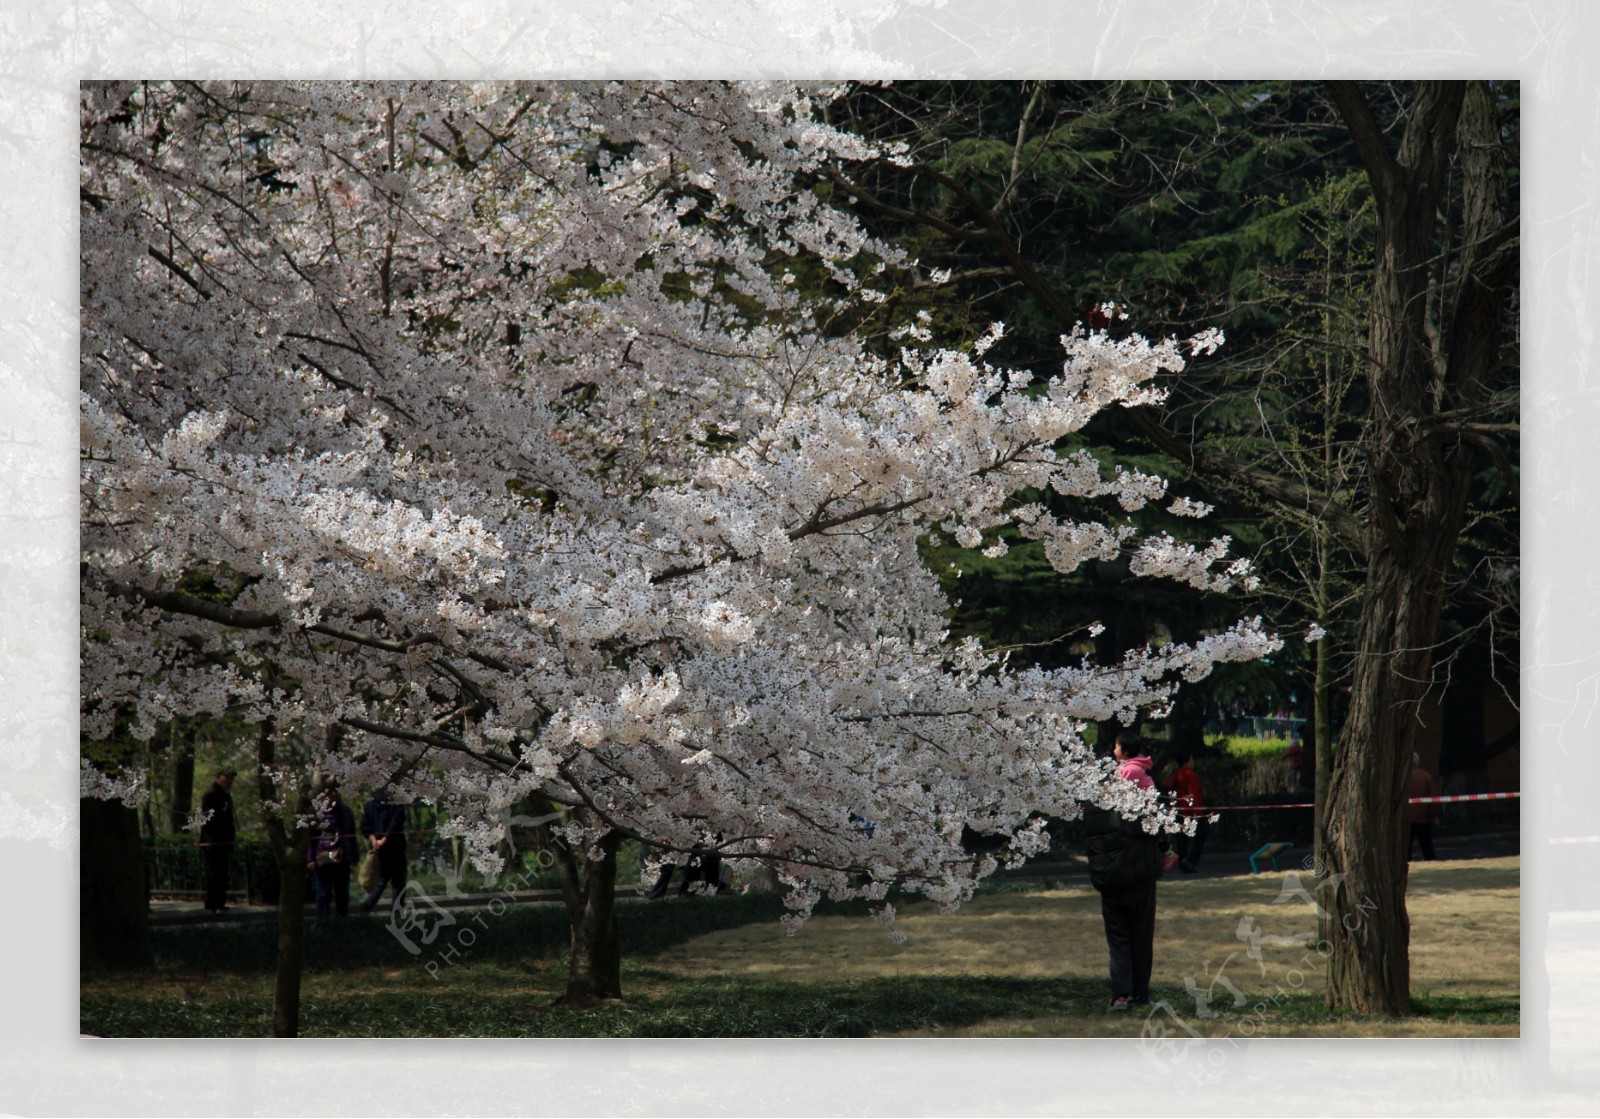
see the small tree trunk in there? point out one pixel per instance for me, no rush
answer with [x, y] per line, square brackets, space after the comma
[289, 846]
[291, 930]
[182, 782]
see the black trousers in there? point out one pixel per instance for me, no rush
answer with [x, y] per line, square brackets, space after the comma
[1130, 918]
[1423, 834]
[216, 856]
[701, 868]
[333, 890]
[1190, 847]
[391, 872]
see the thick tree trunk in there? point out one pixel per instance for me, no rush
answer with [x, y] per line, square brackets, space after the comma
[1365, 836]
[1420, 463]
[113, 898]
[1320, 747]
[594, 971]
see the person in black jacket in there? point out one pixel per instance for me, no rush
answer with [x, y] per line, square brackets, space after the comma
[216, 839]
[383, 823]
[1124, 864]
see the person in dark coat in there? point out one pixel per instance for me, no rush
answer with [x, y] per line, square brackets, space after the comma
[216, 839]
[383, 824]
[331, 853]
[1124, 864]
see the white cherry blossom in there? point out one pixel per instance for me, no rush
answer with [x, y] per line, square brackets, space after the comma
[509, 441]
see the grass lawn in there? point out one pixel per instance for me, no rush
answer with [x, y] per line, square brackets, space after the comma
[1018, 961]
[1244, 747]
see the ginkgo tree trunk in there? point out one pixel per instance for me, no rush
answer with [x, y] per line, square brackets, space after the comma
[1437, 341]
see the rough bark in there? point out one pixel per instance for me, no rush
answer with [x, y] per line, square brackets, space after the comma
[1419, 474]
[589, 891]
[288, 846]
[595, 969]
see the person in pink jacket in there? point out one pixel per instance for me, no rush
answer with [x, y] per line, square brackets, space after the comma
[1134, 766]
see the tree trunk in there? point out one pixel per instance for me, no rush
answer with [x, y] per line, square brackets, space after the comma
[1420, 470]
[1321, 749]
[288, 846]
[1364, 852]
[182, 782]
[594, 970]
[113, 898]
[291, 930]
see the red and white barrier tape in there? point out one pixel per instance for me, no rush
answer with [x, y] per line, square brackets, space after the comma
[1464, 796]
[1413, 800]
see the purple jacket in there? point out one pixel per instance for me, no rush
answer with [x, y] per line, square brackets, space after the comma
[335, 830]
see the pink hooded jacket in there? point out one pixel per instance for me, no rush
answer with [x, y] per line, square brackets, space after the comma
[1137, 770]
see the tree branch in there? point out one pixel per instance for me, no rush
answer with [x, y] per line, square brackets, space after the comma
[1372, 147]
[179, 271]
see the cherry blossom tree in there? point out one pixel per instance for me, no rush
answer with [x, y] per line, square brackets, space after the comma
[508, 442]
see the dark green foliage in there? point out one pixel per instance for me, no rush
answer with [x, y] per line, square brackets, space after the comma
[1190, 204]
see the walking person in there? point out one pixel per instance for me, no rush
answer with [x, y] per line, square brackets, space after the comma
[331, 854]
[1124, 864]
[383, 824]
[1189, 796]
[1419, 783]
[216, 839]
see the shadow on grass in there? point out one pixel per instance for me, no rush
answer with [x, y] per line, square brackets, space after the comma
[493, 1003]
[518, 933]
[501, 1002]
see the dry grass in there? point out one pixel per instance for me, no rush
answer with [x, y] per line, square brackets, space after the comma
[1013, 963]
[1464, 945]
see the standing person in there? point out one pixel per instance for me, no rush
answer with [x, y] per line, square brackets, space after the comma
[1419, 783]
[1294, 756]
[331, 854]
[383, 823]
[216, 839]
[1184, 785]
[1134, 766]
[1124, 864]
